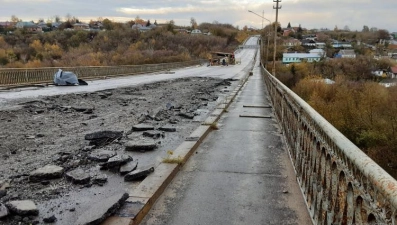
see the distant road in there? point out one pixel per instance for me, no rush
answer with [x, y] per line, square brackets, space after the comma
[223, 72]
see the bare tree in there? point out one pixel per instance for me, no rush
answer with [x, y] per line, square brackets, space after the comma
[193, 23]
[15, 19]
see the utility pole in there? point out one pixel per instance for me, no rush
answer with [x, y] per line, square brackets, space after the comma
[275, 35]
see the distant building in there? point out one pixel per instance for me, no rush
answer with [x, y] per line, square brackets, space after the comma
[143, 28]
[346, 54]
[7, 24]
[313, 56]
[29, 26]
[389, 82]
[81, 26]
[291, 42]
[338, 44]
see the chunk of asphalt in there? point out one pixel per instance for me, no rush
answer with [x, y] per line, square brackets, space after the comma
[78, 176]
[142, 127]
[100, 137]
[153, 134]
[3, 211]
[186, 115]
[45, 173]
[118, 160]
[104, 134]
[101, 210]
[101, 155]
[83, 108]
[128, 167]
[100, 179]
[50, 219]
[167, 128]
[23, 208]
[137, 174]
[141, 145]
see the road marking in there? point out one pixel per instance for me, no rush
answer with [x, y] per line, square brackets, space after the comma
[257, 106]
[257, 116]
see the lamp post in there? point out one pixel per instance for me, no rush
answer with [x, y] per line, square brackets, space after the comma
[268, 36]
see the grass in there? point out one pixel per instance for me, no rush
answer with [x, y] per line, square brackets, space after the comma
[214, 126]
[168, 159]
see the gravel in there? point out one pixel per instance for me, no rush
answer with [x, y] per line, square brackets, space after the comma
[53, 130]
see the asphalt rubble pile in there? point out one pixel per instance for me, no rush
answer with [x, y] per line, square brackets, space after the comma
[53, 149]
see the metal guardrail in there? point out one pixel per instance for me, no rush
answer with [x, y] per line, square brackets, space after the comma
[25, 76]
[340, 183]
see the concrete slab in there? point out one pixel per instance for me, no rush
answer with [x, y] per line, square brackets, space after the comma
[200, 132]
[210, 120]
[217, 112]
[184, 151]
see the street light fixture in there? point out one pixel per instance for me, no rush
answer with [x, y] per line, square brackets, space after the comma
[268, 37]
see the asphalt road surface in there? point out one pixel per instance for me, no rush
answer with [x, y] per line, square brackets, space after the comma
[240, 174]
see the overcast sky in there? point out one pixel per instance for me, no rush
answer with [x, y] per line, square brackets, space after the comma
[309, 13]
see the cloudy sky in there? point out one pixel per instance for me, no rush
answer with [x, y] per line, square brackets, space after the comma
[309, 13]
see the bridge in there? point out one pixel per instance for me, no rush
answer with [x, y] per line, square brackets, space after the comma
[337, 182]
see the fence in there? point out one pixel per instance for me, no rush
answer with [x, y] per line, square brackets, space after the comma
[12, 77]
[341, 184]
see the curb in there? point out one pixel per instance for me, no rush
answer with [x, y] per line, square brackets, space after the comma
[143, 197]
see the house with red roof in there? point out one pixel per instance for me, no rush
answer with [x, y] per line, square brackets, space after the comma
[393, 72]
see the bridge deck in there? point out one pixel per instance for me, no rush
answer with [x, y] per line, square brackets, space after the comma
[240, 174]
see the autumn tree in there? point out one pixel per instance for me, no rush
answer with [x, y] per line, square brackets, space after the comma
[193, 23]
[107, 24]
[15, 19]
[383, 34]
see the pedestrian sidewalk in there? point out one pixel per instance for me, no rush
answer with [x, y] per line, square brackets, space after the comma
[241, 173]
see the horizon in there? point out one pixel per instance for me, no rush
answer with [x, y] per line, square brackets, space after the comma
[309, 14]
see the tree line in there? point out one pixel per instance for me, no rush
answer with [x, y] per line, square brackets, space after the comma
[120, 45]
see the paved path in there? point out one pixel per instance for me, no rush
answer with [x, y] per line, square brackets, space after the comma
[240, 174]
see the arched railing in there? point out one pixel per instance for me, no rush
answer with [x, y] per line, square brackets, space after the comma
[341, 184]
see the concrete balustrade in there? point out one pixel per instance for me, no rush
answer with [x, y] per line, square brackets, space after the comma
[341, 184]
[23, 76]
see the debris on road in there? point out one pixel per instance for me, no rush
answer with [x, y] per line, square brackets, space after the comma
[23, 208]
[142, 127]
[78, 176]
[138, 174]
[167, 128]
[117, 161]
[101, 155]
[101, 138]
[128, 167]
[101, 210]
[88, 132]
[46, 172]
[140, 145]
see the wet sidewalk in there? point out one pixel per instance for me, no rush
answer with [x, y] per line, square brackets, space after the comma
[240, 174]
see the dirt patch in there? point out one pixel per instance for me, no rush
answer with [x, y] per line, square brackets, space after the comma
[52, 130]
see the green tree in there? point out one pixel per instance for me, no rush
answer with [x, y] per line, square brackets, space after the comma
[289, 25]
[300, 30]
[107, 24]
